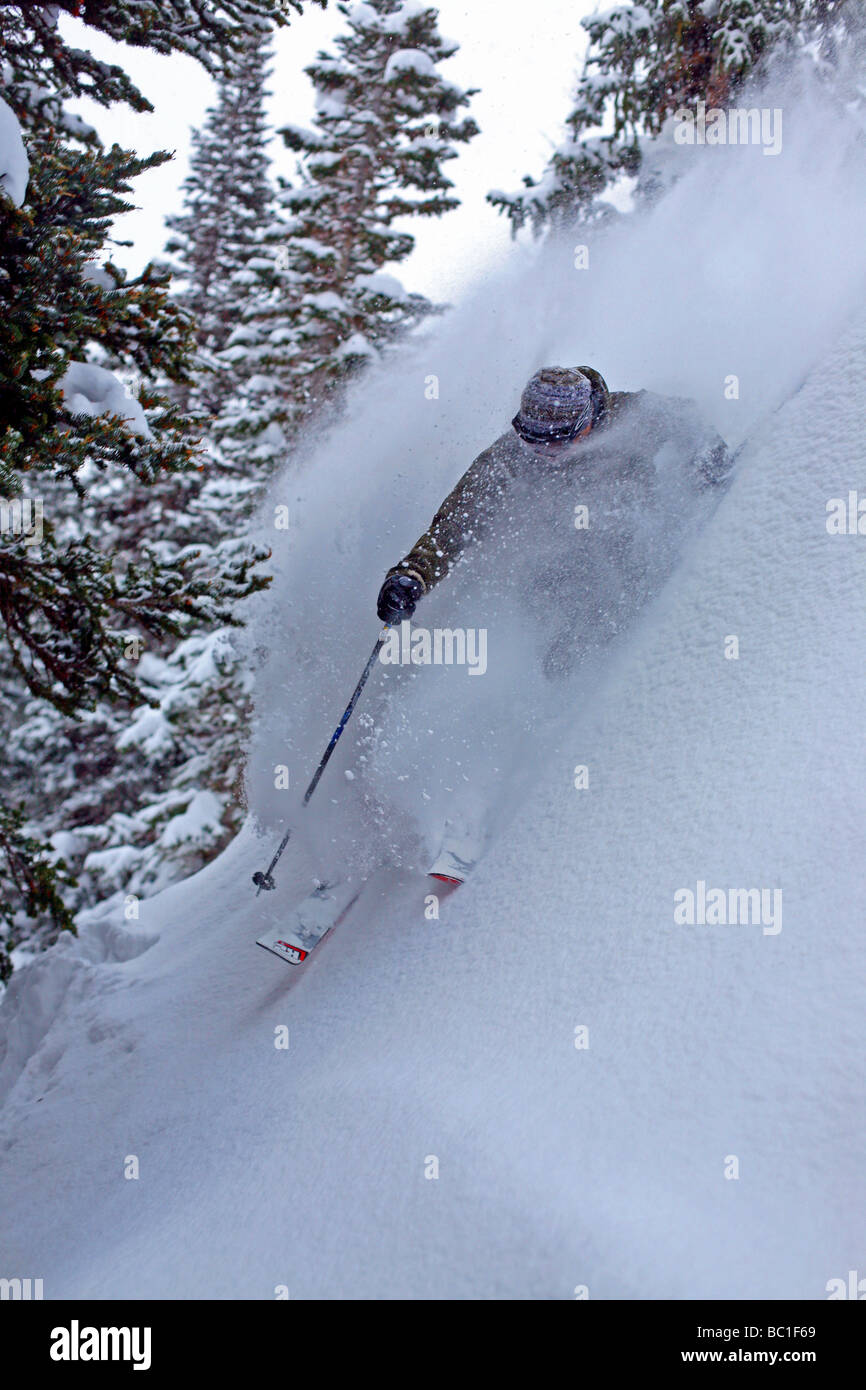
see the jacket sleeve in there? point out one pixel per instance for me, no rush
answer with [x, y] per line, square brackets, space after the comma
[679, 418]
[463, 517]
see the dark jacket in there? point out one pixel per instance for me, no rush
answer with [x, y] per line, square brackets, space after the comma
[630, 428]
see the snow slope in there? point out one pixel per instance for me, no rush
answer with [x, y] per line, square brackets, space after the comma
[454, 1039]
[410, 1038]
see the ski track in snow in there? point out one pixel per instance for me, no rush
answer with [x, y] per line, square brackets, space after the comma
[454, 1038]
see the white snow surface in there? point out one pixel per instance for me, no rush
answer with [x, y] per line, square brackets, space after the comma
[409, 60]
[412, 1039]
[200, 820]
[99, 276]
[361, 14]
[380, 283]
[14, 164]
[91, 390]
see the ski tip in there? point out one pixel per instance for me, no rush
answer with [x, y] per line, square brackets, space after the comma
[446, 878]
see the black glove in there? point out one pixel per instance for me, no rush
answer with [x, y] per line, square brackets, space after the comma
[397, 598]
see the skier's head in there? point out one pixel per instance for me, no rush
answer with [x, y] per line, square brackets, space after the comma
[559, 406]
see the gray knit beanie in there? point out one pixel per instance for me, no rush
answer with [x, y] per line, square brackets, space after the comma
[556, 404]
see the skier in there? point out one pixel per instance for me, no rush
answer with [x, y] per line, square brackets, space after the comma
[634, 454]
[560, 408]
[569, 426]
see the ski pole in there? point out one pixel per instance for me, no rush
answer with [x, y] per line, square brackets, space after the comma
[266, 879]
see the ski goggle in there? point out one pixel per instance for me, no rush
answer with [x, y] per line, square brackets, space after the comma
[553, 434]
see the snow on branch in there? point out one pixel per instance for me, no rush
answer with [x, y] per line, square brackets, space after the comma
[90, 390]
[14, 164]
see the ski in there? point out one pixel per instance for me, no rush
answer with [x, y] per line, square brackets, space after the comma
[310, 922]
[461, 847]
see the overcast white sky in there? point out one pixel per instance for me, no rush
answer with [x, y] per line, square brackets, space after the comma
[524, 57]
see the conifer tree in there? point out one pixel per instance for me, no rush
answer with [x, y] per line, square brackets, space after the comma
[644, 62]
[386, 123]
[252, 434]
[228, 198]
[88, 472]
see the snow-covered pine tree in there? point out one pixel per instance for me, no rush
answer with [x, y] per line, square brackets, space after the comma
[228, 198]
[77, 453]
[35, 883]
[81, 589]
[251, 436]
[386, 122]
[644, 61]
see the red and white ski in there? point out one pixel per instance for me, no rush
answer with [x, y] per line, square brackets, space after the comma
[310, 922]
